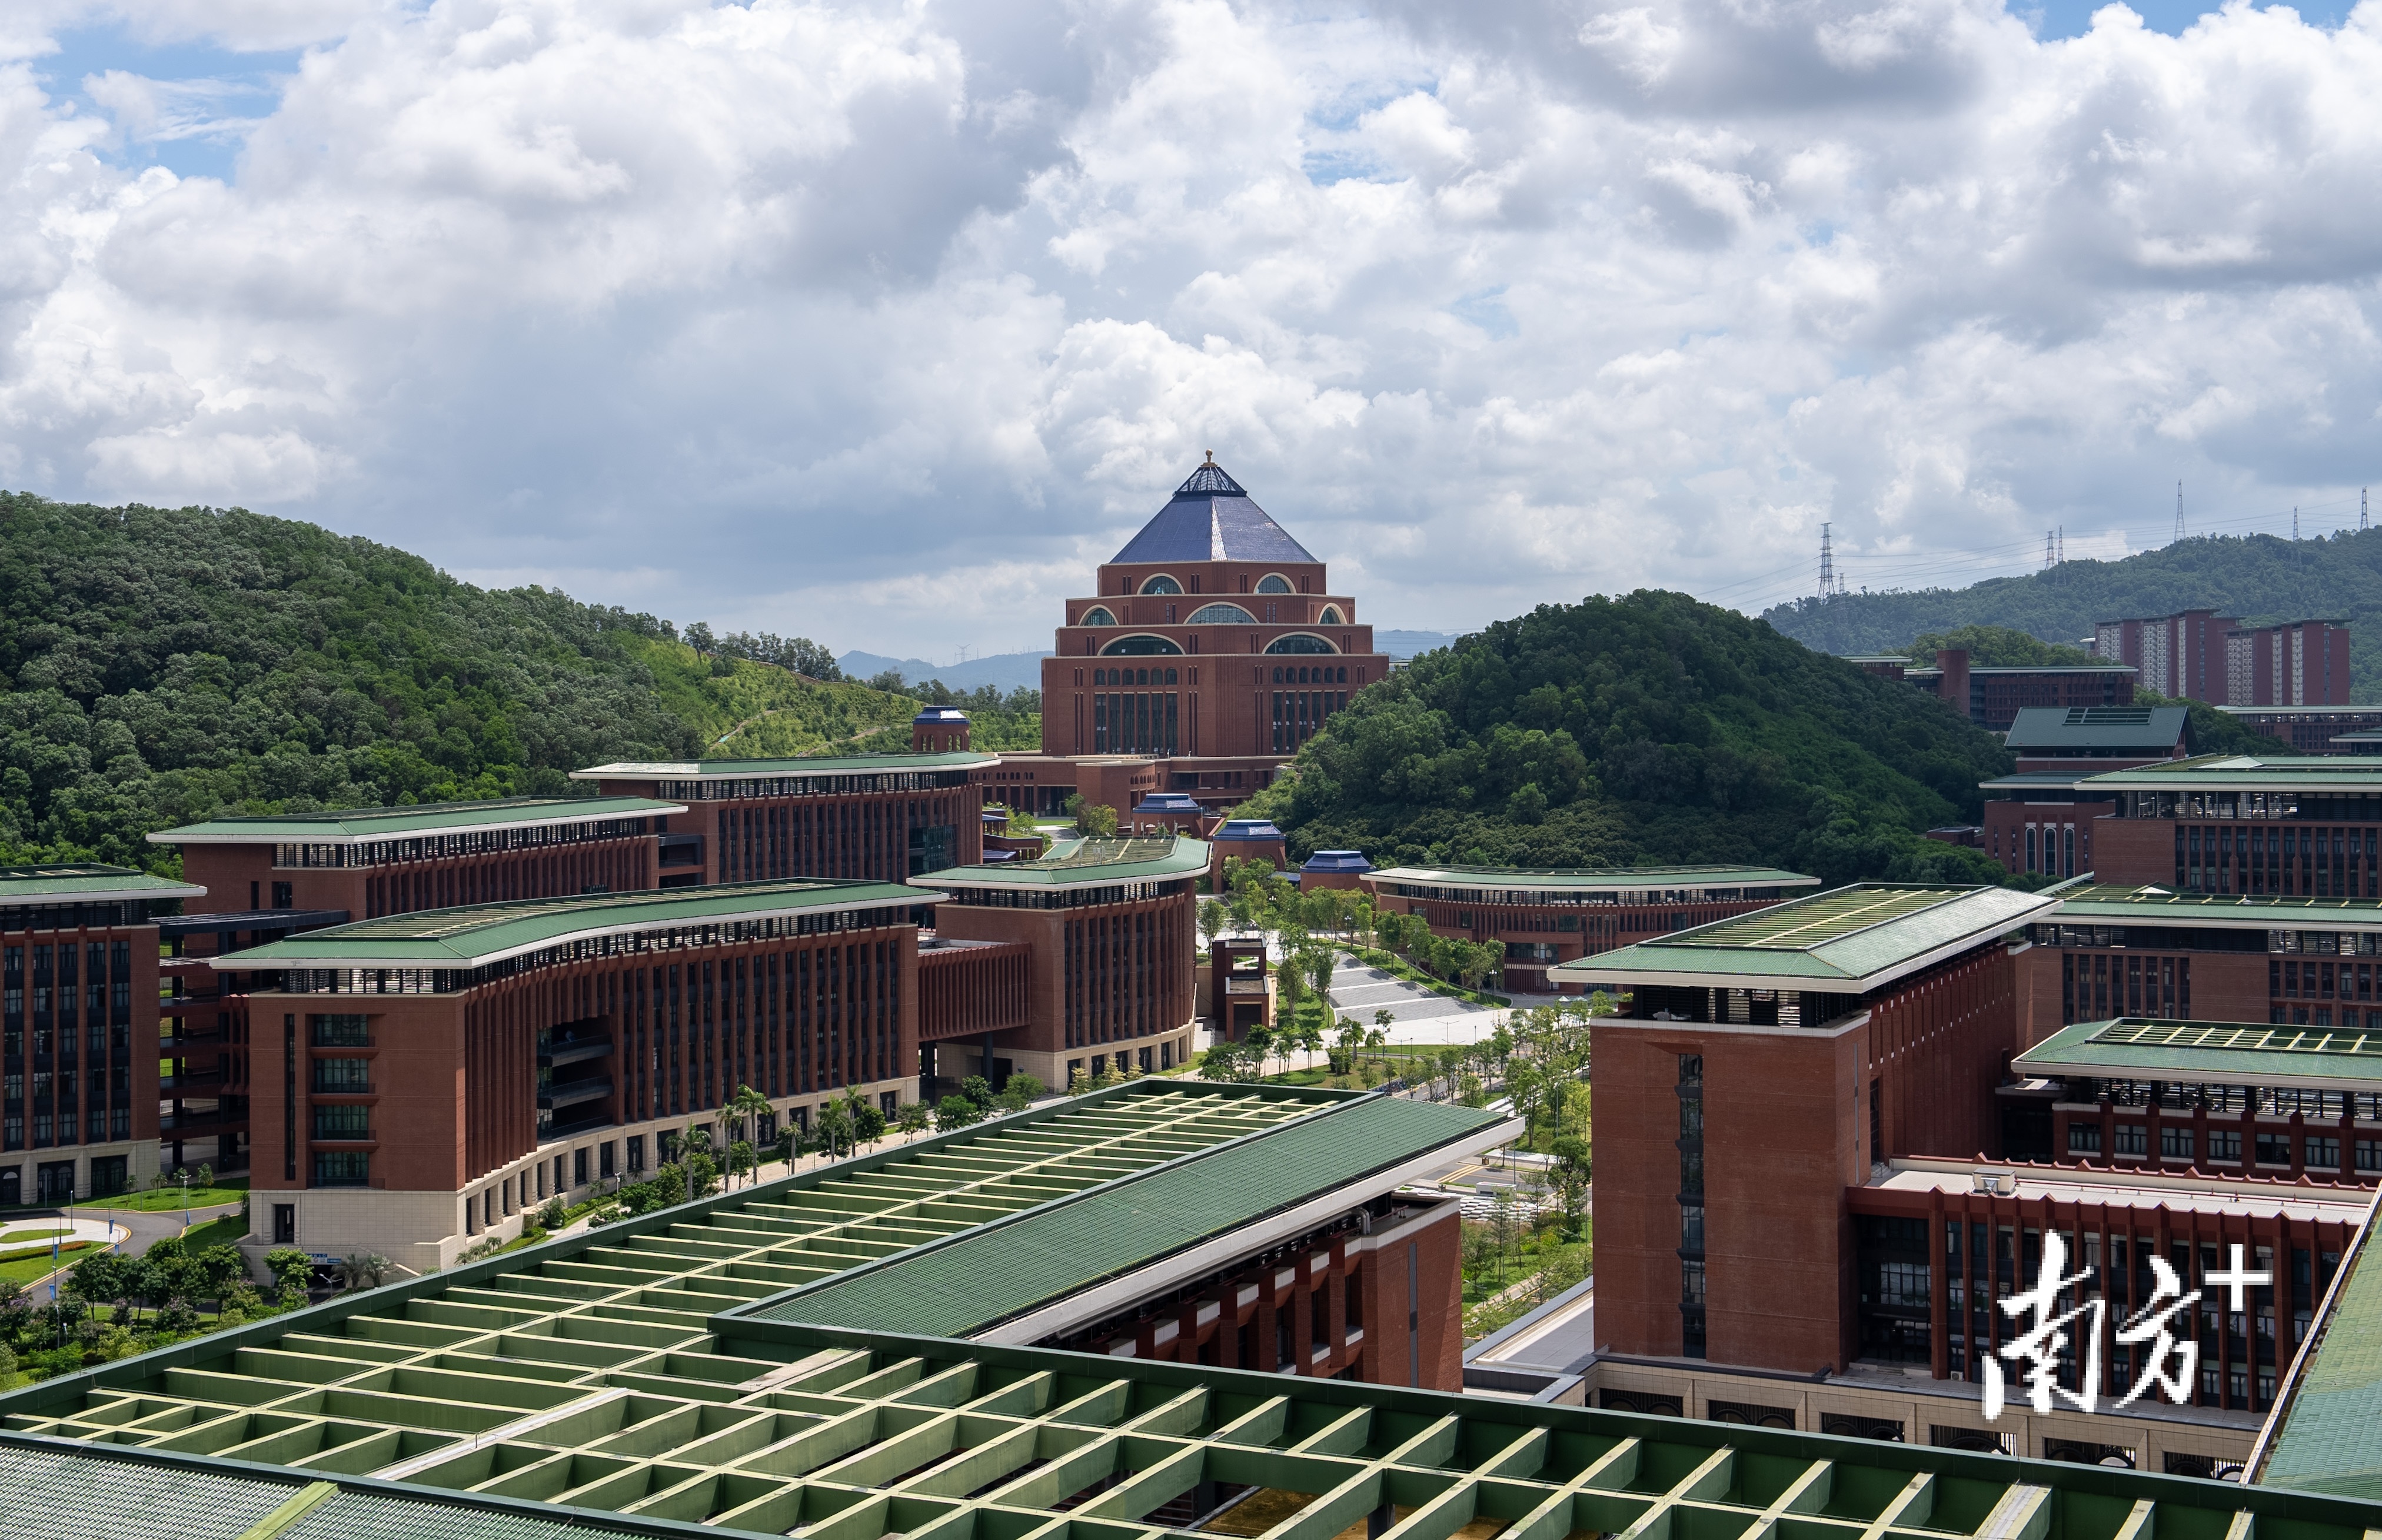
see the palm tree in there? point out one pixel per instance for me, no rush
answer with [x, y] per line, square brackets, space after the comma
[742, 1109]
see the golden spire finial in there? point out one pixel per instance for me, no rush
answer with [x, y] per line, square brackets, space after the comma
[1212, 457]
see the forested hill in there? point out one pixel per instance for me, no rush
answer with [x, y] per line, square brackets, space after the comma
[159, 665]
[2254, 577]
[1651, 728]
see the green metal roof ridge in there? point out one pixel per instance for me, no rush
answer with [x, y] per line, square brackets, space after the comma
[547, 921]
[818, 764]
[968, 1282]
[2225, 770]
[2320, 1437]
[78, 878]
[1603, 877]
[2149, 899]
[2089, 1048]
[374, 824]
[1186, 857]
[1705, 951]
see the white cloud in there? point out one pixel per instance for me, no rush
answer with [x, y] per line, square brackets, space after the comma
[882, 321]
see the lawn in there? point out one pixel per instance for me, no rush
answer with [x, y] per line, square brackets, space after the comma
[225, 1231]
[226, 1189]
[23, 1266]
[32, 1235]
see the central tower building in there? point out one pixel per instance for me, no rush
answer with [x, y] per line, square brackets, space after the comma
[1212, 642]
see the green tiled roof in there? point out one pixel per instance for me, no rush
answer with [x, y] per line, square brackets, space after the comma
[2048, 729]
[1004, 1270]
[2109, 901]
[823, 764]
[1564, 879]
[2322, 1437]
[366, 824]
[2138, 1048]
[1084, 864]
[479, 934]
[83, 879]
[1861, 936]
[2220, 773]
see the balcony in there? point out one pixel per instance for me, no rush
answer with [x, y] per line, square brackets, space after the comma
[555, 1055]
[201, 1082]
[571, 1093]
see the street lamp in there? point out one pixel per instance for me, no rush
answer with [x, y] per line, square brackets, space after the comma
[183, 1176]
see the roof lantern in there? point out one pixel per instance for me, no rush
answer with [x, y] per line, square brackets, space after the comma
[1211, 518]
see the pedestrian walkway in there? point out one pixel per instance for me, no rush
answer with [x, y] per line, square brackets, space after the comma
[1418, 1015]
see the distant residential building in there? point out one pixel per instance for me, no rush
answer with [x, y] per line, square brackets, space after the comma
[2182, 656]
[2302, 663]
[2202, 655]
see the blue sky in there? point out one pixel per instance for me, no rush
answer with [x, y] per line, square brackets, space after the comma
[238, 85]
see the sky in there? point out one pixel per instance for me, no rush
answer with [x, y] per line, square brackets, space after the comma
[883, 324]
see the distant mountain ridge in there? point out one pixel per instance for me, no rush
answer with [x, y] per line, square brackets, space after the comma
[2258, 578]
[1002, 670]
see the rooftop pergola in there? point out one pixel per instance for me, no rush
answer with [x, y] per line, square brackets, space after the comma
[632, 1381]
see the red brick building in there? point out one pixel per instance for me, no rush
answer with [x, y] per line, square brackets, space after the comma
[1210, 649]
[79, 1030]
[1110, 929]
[2298, 663]
[1375, 1295]
[1766, 1064]
[871, 818]
[374, 861]
[422, 1080]
[2312, 728]
[266, 876]
[1847, 1179]
[1993, 697]
[1547, 918]
[2036, 821]
[2181, 655]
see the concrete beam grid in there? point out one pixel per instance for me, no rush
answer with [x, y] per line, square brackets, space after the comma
[610, 1387]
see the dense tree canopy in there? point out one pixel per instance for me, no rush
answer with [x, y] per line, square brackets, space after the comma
[1647, 727]
[160, 665]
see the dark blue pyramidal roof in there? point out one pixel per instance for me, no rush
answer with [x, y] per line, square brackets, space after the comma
[1210, 518]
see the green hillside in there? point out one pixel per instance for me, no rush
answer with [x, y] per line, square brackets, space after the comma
[159, 665]
[2256, 577]
[1646, 729]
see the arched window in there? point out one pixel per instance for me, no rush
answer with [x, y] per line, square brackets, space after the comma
[1273, 583]
[1300, 641]
[1097, 615]
[1162, 584]
[1332, 616]
[1221, 614]
[1140, 647]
